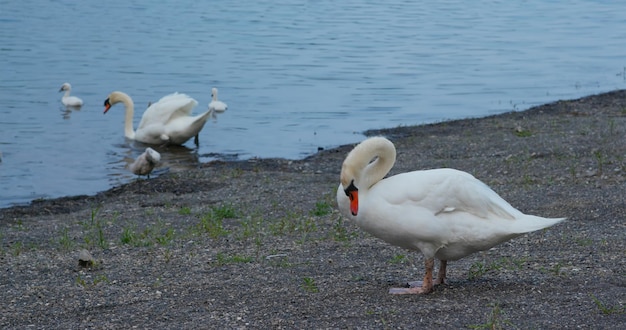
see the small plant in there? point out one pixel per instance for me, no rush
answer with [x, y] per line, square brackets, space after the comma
[523, 133]
[283, 226]
[212, 222]
[495, 320]
[167, 255]
[611, 126]
[20, 225]
[278, 260]
[95, 231]
[606, 310]
[321, 209]
[600, 159]
[235, 173]
[212, 225]
[478, 268]
[251, 227]
[185, 210]
[306, 225]
[128, 236]
[101, 279]
[17, 248]
[583, 241]
[224, 212]
[223, 259]
[80, 280]
[65, 241]
[339, 232]
[157, 234]
[528, 180]
[398, 259]
[556, 269]
[166, 237]
[308, 284]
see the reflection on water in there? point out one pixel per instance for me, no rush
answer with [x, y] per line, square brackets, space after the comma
[296, 75]
[66, 112]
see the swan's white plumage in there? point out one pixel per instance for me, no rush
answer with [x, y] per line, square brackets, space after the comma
[444, 213]
[145, 163]
[67, 100]
[216, 105]
[167, 121]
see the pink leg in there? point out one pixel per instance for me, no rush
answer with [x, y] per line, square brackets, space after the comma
[427, 284]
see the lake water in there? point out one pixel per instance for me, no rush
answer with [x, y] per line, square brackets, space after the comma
[297, 75]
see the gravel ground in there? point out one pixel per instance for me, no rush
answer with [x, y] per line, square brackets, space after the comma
[260, 243]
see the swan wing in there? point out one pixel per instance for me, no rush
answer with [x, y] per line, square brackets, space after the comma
[445, 191]
[182, 129]
[168, 108]
[72, 101]
[441, 210]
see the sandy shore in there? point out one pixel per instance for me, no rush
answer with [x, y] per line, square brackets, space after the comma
[260, 243]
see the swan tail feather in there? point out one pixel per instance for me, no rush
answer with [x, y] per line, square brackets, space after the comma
[530, 223]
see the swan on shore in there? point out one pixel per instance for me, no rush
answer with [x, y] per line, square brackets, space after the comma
[168, 121]
[67, 100]
[443, 213]
[145, 163]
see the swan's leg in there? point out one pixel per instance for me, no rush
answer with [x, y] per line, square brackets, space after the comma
[196, 141]
[427, 284]
[441, 275]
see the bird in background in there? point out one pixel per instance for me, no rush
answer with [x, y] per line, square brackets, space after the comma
[168, 121]
[145, 163]
[67, 100]
[216, 105]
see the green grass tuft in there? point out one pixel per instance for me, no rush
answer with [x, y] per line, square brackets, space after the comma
[322, 209]
[309, 285]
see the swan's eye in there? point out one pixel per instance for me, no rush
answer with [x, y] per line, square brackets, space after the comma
[350, 189]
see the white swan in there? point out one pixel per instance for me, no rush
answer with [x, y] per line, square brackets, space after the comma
[167, 121]
[67, 100]
[215, 105]
[444, 213]
[145, 163]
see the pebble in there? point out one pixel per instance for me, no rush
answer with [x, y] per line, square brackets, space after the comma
[85, 259]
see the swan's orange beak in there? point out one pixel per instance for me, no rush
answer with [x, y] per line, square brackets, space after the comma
[107, 105]
[353, 193]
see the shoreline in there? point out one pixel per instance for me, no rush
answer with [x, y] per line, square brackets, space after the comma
[399, 131]
[259, 243]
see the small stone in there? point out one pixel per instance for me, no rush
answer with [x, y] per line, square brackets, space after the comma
[85, 259]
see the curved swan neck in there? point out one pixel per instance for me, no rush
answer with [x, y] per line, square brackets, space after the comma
[129, 106]
[67, 93]
[214, 94]
[129, 132]
[368, 162]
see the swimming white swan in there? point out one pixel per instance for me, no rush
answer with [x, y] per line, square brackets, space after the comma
[67, 100]
[444, 213]
[145, 163]
[215, 105]
[167, 121]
